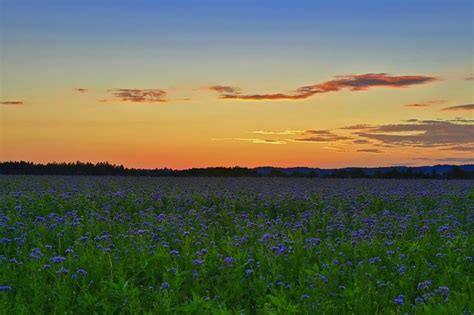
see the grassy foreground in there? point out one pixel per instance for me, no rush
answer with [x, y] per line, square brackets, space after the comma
[235, 246]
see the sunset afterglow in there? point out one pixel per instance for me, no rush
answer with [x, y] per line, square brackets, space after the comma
[222, 83]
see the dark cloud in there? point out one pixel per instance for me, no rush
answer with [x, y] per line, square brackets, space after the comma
[224, 89]
[361, 141]
[469, 78]
[138, 95]
[252, 140]
[425, 104]
[456, 120]
[462, 148]
[82, 90]
[425, 133]
[360, 82]
[370, 151]
[284, 132]
[461, 119]
[357, 127]
[12, 103]
[320, 136]
[449, 160]
[459, 107]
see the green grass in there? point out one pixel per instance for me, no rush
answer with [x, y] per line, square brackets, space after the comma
[334, 275]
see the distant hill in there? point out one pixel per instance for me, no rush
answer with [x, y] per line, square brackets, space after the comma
[107, 169]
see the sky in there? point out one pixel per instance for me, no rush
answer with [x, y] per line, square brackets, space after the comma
[183, 84]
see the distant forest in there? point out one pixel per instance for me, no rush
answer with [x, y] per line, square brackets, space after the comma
[107, 169]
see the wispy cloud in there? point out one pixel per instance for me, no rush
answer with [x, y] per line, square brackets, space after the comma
[284, 132]
[361, 141]
[426, 104]
[137, 95]
[469, 78]
[357, 127]
[462, 148]
[361, 82]
[320, 136]
[424, 133]
[81, 90]
[224, 89]
[12, 103]
[252, 140]
[465, 160]
[370, 151]
[459, 108]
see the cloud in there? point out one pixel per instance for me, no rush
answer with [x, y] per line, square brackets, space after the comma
[470, 78]
[425, 104]
[462, 148]
[466, 160]
[137, 95]
[12, 103]
[357, 127]
[461, 119]
[370, 151]
[252, 140]
[284, 132]
[82, 90]
[425, 133]
[459, 107]
[361, 82]
[224, 89]
[320, 136]
[456, 120]
[457, 160]
[361, 141]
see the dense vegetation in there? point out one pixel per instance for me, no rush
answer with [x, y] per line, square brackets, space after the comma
[100, 245]
[107, 169]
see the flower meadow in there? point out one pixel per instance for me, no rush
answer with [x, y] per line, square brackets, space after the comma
[120, 245]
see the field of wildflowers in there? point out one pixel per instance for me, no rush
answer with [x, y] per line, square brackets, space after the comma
[88, 245]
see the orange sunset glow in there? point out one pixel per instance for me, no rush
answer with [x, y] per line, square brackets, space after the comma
[182, 92]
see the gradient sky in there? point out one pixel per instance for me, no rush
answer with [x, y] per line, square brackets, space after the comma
[222, 83]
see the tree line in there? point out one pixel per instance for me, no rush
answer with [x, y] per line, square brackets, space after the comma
[107, 169]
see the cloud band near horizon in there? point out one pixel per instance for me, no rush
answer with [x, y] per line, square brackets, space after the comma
[360, 82]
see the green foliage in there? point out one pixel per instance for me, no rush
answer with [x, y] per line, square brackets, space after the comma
[131, 268]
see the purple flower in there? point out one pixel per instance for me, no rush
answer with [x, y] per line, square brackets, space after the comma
[62, 270]
[423, 285]
[248, 272]
[229, 260]
[198, 261]
[164, 286]
[36, 253]
[444, 291]
[280, 248]
[374, 260]
[57, 259]
[4, 288]
[443, 228]
[399, 299]
[304, 296]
